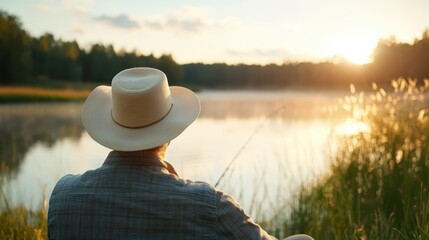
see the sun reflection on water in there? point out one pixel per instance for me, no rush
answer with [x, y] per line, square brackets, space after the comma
[352, 126]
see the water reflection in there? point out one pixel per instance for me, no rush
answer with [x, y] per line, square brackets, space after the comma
[279, 157]
[24, 125]
[43, 142]
[251, 104]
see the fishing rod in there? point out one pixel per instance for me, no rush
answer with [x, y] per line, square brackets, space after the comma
[228, 167]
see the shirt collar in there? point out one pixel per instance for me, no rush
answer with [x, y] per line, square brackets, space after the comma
[140, 158]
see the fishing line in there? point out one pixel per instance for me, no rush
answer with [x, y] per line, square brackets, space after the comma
[247, 142]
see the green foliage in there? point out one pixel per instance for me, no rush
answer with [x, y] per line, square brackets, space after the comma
[56, 59]
[15, 51]
[174, 72]
[393, 60]
[378, 186]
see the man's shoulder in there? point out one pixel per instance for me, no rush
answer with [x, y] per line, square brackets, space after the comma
[66, 181]
[200, 190]
[199, 185]
[192, 185]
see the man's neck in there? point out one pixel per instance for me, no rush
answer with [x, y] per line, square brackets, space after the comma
[151, 154]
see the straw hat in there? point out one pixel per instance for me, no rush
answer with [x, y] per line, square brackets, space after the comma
[139, 111]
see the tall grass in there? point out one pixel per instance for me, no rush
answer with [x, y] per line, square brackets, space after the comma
[378, 184]
[19, 222]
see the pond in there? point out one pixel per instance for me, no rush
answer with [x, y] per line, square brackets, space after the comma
[274, 141]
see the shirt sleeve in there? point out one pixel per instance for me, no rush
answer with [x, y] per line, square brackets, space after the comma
[234, 223]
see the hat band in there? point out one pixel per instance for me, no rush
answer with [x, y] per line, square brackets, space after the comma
[143, 126]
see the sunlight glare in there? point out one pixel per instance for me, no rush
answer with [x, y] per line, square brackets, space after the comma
[352, 127]
[356, 49]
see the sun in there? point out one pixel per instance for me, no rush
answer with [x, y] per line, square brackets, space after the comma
[356, 49]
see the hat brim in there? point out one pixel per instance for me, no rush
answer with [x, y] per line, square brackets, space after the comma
[98, 121]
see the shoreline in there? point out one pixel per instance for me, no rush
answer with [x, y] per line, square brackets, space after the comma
[28, 94]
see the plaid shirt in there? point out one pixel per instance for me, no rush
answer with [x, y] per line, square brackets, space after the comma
[133, 196]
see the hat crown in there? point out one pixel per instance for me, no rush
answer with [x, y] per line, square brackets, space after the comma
[135, 80]
[140, 97]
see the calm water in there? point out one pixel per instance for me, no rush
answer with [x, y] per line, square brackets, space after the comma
[42, 142]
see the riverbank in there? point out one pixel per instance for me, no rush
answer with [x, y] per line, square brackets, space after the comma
[20, 94]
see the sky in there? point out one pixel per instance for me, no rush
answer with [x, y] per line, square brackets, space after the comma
[229, 31]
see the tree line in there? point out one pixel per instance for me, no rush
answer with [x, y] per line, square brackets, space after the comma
[391, 60]
[25, 59]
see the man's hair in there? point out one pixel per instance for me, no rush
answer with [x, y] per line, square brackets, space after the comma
[160, 149]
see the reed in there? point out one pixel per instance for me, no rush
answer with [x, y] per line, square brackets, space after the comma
[377, 187]
[19, 222]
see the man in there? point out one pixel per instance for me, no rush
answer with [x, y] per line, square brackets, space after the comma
[136, 194]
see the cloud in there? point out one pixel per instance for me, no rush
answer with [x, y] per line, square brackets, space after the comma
[186, 25]
[120, 21]
[185, 20]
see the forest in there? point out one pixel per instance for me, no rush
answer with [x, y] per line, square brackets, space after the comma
[36, 60]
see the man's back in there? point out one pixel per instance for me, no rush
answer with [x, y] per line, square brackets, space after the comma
[123, 200]
[133, 196]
